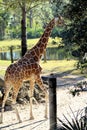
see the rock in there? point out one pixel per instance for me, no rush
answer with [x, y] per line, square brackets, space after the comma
[1, 95]
[23, 92]
[2, 83]
[23, 95]
[20, 101]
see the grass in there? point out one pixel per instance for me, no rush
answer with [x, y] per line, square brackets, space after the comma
[3, 66]
[58, 66]
[4, 45]
[52, 66]
[4, 63]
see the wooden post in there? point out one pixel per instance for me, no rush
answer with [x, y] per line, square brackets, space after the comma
[86, 116]
[45, 59]
[11, 54]
[52, 103]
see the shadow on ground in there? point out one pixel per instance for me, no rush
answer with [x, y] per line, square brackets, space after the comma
[24, 124]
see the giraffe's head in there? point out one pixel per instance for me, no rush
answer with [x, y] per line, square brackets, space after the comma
[59, 21]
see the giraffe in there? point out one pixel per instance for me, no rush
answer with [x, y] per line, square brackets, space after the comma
[28, 68]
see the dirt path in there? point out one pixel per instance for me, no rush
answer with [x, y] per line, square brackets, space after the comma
[64, 101]
[39, 123]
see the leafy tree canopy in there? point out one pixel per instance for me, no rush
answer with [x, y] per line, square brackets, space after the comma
[76, 31]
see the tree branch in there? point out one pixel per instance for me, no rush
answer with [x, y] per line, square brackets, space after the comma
[20, 4]
[34, 6]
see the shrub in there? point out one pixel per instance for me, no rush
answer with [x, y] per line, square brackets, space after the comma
[76, 123]
[32, 33]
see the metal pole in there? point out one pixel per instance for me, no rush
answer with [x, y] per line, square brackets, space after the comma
[52, 103]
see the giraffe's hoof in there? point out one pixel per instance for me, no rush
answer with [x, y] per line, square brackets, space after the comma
[31, 118]
[45, 117]
[1, 121]
[20, 121]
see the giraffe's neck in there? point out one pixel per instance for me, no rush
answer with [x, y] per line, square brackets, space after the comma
[45, 37]
[39, 48]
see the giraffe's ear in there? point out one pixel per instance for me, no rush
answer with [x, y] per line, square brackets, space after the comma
[59, 16]
[60, 21]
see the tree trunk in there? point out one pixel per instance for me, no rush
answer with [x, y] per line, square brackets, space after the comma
[30, 17]
[23, 31]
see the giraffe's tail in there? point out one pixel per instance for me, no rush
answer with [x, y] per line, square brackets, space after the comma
[3, 93]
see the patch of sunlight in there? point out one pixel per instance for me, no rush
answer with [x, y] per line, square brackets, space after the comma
[51, 66]
[2, 73]
[4, 63]
[58, 65]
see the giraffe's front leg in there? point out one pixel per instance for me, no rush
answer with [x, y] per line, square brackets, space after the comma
[7, 89]
[31, 98]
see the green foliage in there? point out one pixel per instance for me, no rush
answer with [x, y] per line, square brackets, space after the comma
[57, 6]
[76, 12]
[3, 21]
[76, 29]
[32, 33]
[57, 41]
[79, 87]
[39, 13]
[55, 32]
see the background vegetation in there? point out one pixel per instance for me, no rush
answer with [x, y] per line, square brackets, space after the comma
[26, 20]
[38, 14]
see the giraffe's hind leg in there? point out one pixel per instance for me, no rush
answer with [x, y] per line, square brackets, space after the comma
[31, 98]
[6, 92]
[40, 84]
